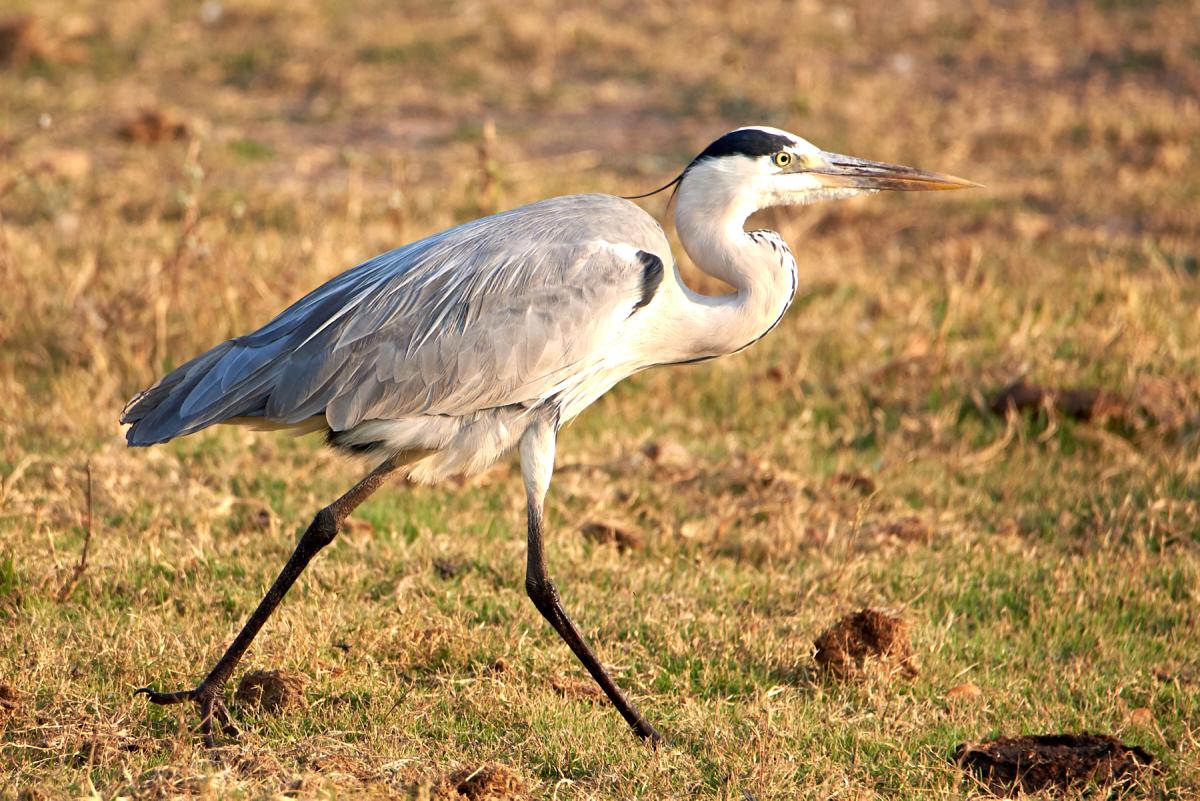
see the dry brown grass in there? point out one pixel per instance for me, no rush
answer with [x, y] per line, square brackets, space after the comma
[849, 460]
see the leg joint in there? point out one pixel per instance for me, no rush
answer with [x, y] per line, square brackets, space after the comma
[324, 528]
[542, 592]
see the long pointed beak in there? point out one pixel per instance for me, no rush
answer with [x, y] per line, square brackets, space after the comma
[835, 170]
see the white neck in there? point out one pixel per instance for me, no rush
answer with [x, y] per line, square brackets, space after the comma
[710, 222]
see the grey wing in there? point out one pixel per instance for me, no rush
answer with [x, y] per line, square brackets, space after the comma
[497, 312]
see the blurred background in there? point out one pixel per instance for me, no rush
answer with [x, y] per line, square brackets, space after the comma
[1018, 364]
[183, 169]
[175, 172]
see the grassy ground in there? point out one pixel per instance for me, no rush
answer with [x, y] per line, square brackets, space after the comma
[850, 459]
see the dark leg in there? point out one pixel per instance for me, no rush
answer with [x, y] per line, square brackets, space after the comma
[320, 532]
[545, 597]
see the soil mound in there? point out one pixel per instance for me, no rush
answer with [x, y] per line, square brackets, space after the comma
[487, 783]
[1051, 762]
[625, 537]
[867, 636]
[270, 690]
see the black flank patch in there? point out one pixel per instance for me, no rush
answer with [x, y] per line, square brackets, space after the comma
[334, 440]
[652, 275]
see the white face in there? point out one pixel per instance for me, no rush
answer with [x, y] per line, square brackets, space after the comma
[790, 177]
[758, 167]
[778, 178]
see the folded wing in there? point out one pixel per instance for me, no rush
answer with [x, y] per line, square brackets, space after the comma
[499, 311]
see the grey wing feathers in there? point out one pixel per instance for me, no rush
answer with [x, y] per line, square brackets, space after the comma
[494, 312]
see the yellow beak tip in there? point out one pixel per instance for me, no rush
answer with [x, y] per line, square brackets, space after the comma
[953, 182]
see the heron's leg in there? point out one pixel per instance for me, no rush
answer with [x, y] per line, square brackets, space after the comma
[537, 463]
[320, 532]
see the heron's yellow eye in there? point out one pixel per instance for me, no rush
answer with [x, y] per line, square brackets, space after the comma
[783, 159]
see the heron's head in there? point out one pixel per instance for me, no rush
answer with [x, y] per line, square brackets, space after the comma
[758, 167]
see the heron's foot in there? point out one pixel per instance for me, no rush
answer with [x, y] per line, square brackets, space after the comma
[211, 705]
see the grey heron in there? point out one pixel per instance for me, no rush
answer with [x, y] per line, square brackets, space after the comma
[439, 356]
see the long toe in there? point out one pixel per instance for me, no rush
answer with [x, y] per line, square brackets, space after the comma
[221, 713]
[205, 727]
[165, 699]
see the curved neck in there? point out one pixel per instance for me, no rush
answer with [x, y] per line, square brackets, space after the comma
[759, 268]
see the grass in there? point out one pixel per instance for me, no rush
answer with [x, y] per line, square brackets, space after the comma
[848, 460]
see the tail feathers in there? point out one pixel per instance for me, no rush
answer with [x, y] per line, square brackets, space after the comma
[183, 401]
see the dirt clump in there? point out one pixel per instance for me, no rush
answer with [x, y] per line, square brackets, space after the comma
[151, 126]
[964, 693]
[1142, 717]
[25, 41]
[10, 699]
[165, 782]
[1081, 403]
[1154, 402]
[668, 454]
[271, 690]
[625, 537]
[486, 783]
[862, 638]
[490, 782]
[861, 484]
[1169, 404]
[447, 569]
[904, 529]
[22, 41]
[579, 689]
[1051, 762]
[34, 794]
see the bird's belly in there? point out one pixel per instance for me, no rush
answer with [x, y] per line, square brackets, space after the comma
[456, 445]
[466, 445]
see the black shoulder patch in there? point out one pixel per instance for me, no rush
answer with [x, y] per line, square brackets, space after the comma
[652, 275]
[748, 142]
